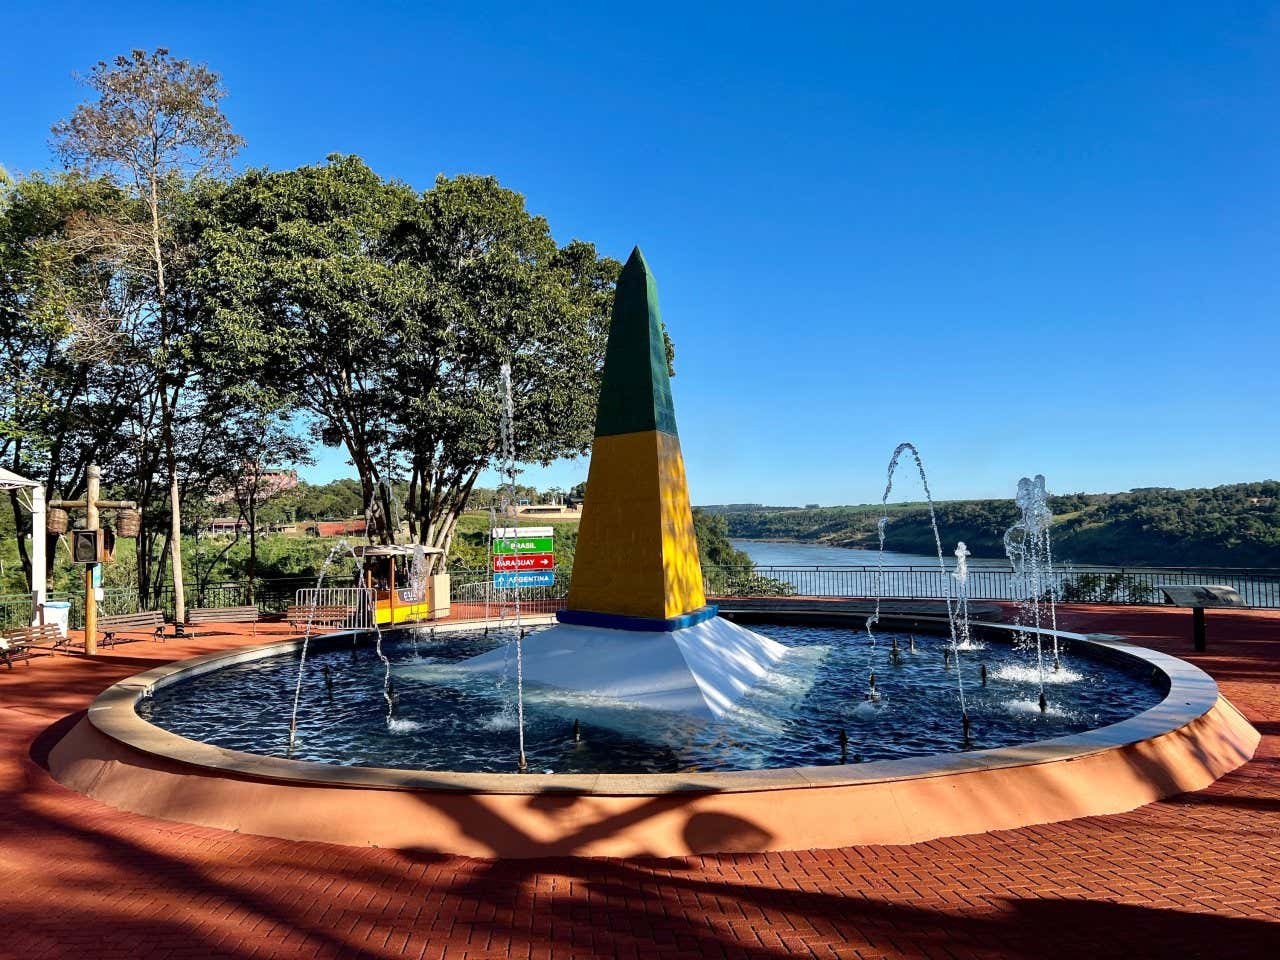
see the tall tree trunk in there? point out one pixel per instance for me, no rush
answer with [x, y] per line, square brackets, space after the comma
[175, 528]
[23, 555]
[253, 541]
[169, 406]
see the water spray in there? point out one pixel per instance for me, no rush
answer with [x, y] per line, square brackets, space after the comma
[1028, 546]
[306, 641]
[942, 566]
[509, 467]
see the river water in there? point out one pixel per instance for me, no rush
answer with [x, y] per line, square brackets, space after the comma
[773, 553]
[817, 569]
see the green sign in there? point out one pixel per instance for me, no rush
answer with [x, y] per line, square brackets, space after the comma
[523, 545]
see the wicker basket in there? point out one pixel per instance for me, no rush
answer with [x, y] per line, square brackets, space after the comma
[56, 520]
[128, 523]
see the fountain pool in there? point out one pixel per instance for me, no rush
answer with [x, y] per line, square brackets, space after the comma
[445, 719]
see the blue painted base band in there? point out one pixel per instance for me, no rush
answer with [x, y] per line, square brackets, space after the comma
[614, 621]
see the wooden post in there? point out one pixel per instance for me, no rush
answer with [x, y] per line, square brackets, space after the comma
[391, 561]
[1197, 620]
[90, 600]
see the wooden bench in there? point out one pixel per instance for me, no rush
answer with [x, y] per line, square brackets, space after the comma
[199, 615]
[145, 621]
[22, 642]
[298, 615]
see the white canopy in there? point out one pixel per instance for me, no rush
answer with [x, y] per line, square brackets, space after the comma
[11, 481]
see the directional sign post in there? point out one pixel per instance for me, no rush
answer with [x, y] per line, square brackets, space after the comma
[523, 557]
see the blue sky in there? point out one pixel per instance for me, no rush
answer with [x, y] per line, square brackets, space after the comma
[1028, 237]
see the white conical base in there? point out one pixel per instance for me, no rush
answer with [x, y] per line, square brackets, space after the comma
[700, 670]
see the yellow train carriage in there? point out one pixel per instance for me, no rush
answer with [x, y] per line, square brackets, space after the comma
[386, 572]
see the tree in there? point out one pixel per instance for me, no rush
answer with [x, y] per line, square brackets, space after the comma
[155, 124]
[266, 443]
[489, 286]
[386, 315]
[69, 304]
[300, 291]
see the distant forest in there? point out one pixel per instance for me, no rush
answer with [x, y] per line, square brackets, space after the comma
[1235, 525]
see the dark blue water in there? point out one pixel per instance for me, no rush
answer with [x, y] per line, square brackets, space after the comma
[448, 722]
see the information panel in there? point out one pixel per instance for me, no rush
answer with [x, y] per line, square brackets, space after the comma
[523, 557]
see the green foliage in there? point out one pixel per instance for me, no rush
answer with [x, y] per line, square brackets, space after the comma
[387, 315]
[1106, 588]
[726, 570]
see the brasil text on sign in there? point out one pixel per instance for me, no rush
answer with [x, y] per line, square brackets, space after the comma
[524, 545]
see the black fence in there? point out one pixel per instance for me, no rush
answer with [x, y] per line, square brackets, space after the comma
[1072, 584]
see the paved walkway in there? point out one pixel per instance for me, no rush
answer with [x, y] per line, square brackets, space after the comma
[1195, 876]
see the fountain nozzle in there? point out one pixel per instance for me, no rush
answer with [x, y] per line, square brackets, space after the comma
[1044, 704]
[577, 732]
[964, 723]
[984, 674]
[844, 746]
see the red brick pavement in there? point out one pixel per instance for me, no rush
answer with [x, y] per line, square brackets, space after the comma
[1197, 875]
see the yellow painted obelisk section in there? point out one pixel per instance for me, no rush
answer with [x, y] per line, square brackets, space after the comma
[637, 555]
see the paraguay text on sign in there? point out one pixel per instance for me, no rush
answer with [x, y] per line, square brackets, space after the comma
[525, 561]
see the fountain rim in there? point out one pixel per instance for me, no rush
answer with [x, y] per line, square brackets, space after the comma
[1192, 693]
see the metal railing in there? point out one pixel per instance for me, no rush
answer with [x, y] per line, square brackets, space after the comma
[472, 591]
[1071, 583]
[472, 594]
[360, 600]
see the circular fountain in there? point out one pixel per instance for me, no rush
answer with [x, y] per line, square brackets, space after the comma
[1188, 738]
[644, 720]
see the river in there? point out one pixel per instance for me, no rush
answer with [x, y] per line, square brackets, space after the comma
[816, 569]
[775, 553]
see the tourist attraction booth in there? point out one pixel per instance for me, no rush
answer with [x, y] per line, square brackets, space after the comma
[400, 593]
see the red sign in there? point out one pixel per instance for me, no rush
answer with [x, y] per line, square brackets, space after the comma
[524, 561]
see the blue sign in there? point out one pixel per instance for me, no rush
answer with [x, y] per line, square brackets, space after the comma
[524, 579]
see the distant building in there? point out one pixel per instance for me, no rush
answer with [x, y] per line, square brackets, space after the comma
[352, 526]
[550, 511]
[226, 526]
[271, 483]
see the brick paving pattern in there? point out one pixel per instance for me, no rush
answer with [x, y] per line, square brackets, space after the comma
[1194, 876]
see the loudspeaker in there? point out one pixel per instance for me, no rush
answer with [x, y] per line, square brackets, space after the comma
[86, 546]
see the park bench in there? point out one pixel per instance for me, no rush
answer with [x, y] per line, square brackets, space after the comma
[22, 642]
[199, 615]
[298, 615]
[145, 621]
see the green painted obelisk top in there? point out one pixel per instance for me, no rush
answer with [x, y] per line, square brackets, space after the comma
[635, 390]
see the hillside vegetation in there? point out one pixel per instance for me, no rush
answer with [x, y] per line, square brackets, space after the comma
[1232, 525]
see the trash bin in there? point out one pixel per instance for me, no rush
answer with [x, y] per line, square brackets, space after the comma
[58, 612]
